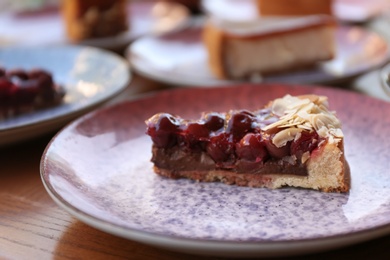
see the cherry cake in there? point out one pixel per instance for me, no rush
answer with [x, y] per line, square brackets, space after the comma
[23, 91]
[293, 141]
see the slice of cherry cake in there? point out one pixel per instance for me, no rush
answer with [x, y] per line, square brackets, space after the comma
[23, 91]
[293, 141]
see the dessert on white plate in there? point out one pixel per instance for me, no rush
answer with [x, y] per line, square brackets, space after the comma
[280, 37]
[238, 50]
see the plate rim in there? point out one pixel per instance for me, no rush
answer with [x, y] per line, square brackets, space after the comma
[142, 67]
[228, 248]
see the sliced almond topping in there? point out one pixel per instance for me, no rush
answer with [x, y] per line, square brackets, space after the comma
[305, 126]
[282, 137]
[337, 132]
[305, 157]
[311, 97]
[307, 112]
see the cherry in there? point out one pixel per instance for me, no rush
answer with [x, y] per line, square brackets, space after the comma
[240, 123]
[277, 152]
[307, 142]
[43, 78]
[220, 147]
[195, 132]
[252, 148]
[198, 130]
[166, 123]
[214, 121]
[162, 128]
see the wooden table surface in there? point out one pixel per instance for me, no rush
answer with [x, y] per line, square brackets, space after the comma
[32, 226]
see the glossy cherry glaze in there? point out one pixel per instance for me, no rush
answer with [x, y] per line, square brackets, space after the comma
[307, 142]
[228, 137]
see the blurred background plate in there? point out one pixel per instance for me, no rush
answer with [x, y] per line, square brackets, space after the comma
[384, 76]
[181, 59]
[90, 76]
[348, 11]
[46, 26]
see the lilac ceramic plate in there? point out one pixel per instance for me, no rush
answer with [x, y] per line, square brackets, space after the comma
[89, 76]
[98, 169]
[181, 59]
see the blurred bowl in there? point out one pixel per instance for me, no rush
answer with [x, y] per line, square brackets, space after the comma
[385, 78]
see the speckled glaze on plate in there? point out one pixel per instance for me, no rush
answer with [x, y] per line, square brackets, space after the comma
[98, 169]
[89, 76]
[181, 58]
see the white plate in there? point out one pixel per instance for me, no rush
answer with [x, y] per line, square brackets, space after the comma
[98, 168]
[356, 11]
[181, 59]
[90, 76]
[46, 27]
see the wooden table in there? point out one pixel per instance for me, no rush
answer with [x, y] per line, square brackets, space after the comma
[32, 226]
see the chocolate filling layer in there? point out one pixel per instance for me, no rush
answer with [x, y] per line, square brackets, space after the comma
[179, 159]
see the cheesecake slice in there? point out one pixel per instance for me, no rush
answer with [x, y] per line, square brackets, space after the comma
[294, 8]
[267, 46]
[293, 141]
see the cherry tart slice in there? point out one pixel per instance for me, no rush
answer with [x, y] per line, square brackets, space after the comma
[292, 141]
[23, 91]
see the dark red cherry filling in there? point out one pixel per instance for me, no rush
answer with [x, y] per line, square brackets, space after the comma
[240, 124]
[163, 129]
[221, 147]
[307, 142]
[214, 121]
[194, 134]
[228, 138]
[277, 152]
[252, 147]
